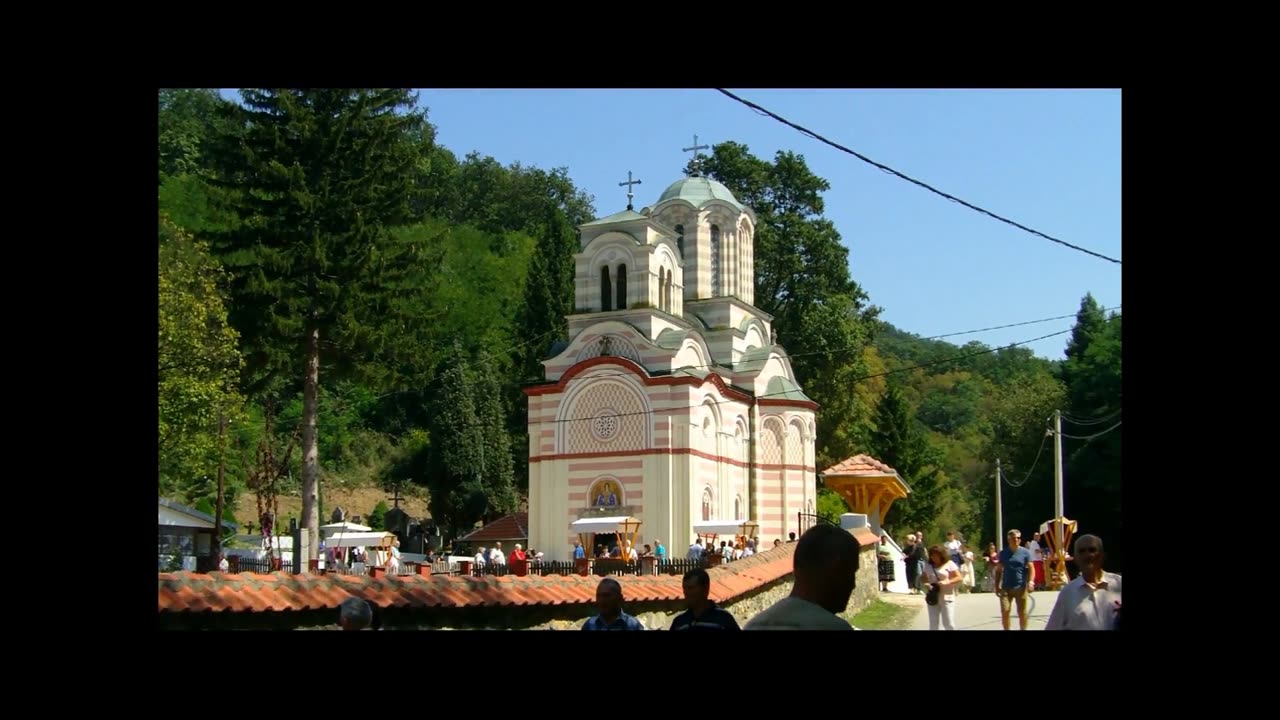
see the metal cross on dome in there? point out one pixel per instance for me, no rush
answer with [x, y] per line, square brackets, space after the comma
[697, 167]
[629, 183]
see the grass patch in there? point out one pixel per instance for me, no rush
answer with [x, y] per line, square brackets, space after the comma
[881, 615]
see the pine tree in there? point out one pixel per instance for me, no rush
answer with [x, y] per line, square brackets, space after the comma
[899, 442]
[317, 178]
[1090, 324]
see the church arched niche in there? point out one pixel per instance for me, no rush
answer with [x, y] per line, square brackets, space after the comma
[606, 290]
[622, 287]
[606, 492]
[603, 412]
[707, 500]
[737, 508]
[772, 442]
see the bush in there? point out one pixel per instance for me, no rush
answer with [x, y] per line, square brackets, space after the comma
[377, 517]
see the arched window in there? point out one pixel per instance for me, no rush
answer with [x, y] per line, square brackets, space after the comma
[737, 508]
[606, 292]
[662, 288]
[706, 505]
[715, 260]
[622, 287]
[680, 240]
[670, 294]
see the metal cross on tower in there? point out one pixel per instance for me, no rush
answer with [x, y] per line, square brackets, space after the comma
[397, 497]
[629, 183]
[694, 149]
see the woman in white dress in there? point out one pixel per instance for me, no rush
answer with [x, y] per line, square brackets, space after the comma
[967, 570]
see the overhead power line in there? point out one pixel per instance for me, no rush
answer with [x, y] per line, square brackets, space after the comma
[1093, 436]
[912, 180]
[955, 358]
[447, 373]
[1094, 421]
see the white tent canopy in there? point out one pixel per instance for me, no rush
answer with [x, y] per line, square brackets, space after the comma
[343, 527]
[721, 527]
[359, 539]
[605, 524]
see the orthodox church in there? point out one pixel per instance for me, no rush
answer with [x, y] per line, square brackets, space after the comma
[670, 403]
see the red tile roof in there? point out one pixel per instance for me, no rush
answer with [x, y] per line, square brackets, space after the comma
[508, 527]
[860, 465]
[245, 592]
[865, 536]
[278, 592]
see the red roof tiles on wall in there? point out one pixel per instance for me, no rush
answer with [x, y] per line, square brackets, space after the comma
[245, 592]
[277, 592]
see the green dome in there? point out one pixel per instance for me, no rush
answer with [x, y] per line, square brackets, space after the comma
[698, 190]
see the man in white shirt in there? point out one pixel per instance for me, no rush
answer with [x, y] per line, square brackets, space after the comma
[695, 550]
[1037, 560]
[1092, 600]
[953, 548]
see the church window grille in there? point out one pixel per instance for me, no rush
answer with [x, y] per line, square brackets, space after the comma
[715, 259]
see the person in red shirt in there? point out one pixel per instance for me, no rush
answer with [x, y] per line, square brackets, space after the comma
[517, 553]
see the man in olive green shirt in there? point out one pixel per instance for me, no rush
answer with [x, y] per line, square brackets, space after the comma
[826, 565]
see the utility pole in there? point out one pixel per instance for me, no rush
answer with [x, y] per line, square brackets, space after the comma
[999, 508]
[1057, 475]
[1058, 510]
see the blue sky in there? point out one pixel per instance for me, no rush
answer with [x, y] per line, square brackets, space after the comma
[1049, 159]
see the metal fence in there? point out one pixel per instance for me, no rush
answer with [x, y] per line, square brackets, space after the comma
[808, 520]
[600, 567]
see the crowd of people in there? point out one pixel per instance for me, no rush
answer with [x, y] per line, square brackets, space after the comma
[825, 565]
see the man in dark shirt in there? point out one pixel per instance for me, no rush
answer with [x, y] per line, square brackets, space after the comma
[609, 603]
[702, 613]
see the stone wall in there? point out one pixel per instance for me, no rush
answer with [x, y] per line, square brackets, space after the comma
[660, 618]
[868, 587]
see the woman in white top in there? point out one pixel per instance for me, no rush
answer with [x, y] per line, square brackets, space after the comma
[393, 563]
[941, 577]
[967, 570]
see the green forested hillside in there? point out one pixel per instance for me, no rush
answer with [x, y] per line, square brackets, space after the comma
[331, 278]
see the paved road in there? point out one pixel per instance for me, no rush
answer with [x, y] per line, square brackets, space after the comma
[981, 611]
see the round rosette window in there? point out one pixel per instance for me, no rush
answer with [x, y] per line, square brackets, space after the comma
[605, 425]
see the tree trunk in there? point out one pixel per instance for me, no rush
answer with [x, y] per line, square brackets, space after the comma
[310, 454]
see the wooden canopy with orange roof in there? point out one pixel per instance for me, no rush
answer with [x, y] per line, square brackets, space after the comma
[867, 485]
